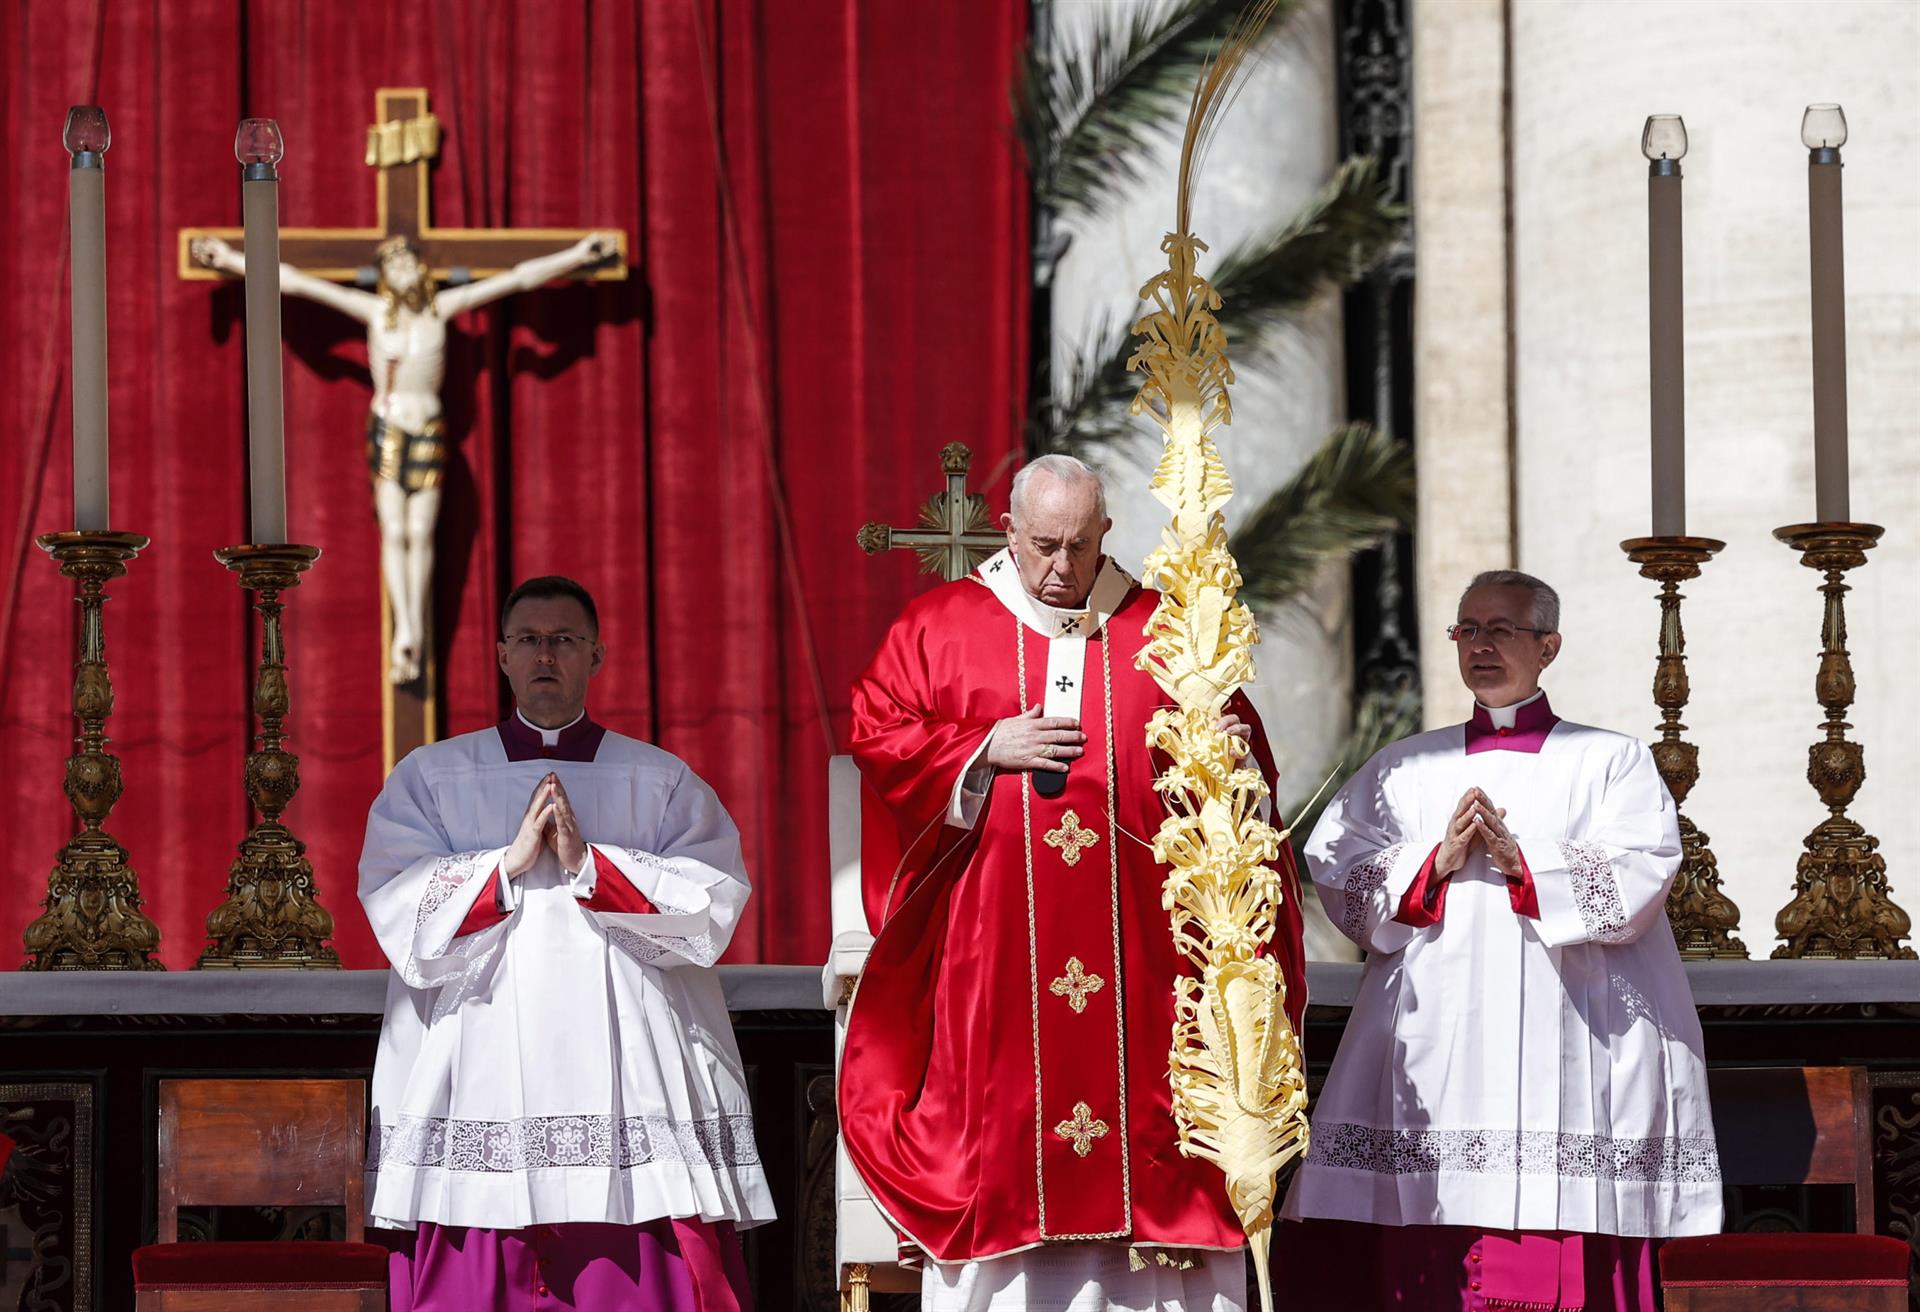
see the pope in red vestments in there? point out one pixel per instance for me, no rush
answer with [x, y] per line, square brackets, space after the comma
[1004, 1083]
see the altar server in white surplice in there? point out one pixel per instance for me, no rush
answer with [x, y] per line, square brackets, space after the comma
[1518, 1109]
[559, 1108]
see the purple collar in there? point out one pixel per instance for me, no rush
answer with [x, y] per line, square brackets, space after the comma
[1531, 725]
[579, 741]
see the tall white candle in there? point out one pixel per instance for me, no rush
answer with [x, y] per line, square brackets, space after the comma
[1823, 130]
[87, 138]
[258, 147]
[1664, 142]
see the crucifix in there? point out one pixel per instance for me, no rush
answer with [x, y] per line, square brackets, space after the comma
[954, 532]
[393, 268]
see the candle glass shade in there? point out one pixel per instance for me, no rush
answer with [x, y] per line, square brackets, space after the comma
[86, 131]
[91, 918]
[272, 917]
[1703, 918]
[1664, 137]
[1823, 127]
[1842, 907]
[258, 142]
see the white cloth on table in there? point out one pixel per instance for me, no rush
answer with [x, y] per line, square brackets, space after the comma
[1500, 1071]
[1086, 1278]
[565, 1064]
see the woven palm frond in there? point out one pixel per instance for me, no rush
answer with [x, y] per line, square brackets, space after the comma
[1239, 1087]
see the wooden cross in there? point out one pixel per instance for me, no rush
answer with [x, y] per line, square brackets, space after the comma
[954, 532]
[1082, 1130]
[1070, 837]
[402, 204]
[1076, 984]
[402, 144]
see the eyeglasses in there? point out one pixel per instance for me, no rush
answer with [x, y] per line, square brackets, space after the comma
[560, 644]
[1498, 632]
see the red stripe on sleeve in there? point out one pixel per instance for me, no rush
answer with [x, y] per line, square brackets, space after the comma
[612, 891]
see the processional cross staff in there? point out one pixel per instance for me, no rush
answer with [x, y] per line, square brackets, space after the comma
[402, 257]
[954, 533]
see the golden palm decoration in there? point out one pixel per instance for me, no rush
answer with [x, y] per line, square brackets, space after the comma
[1239, 1091]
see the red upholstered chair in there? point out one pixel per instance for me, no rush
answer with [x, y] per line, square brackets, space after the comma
[261, 1142]
[1791, 1125]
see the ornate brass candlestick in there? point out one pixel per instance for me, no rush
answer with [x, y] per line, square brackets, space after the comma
[270, 917]
[1841, 906]
[1704, 918]
[92, 919]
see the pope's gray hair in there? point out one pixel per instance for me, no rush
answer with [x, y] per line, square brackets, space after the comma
[1546, 602]
[1064, 469]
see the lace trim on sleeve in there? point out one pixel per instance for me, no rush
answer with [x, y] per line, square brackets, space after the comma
[1595, 891]
[650, 949]
[449, 875]
[1363, 881]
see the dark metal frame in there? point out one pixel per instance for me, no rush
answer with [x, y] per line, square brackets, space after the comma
[1374, 54]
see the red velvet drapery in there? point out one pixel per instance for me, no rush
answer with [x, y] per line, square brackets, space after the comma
[826, 214]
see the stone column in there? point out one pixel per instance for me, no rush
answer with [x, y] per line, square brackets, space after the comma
[1462, 327]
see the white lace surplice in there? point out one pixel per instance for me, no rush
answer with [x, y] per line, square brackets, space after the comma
[1500, 1071]
[564, 1065]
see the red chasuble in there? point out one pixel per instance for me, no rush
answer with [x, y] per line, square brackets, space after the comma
[1004, 1082]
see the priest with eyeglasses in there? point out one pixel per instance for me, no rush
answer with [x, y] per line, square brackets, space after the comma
[1518, 1109]
[560, 1112]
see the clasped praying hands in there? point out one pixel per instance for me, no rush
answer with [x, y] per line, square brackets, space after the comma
[549, 822]
[1478, 820]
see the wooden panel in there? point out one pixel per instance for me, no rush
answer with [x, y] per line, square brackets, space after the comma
[247, 1142]
[1811, 1298]
[245, 1300]
[1791, 1125]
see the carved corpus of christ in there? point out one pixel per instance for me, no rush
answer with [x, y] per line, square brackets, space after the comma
[406, 446]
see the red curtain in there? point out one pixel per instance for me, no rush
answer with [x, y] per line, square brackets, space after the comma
[826, 218]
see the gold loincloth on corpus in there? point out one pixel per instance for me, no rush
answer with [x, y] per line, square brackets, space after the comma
[416, 461]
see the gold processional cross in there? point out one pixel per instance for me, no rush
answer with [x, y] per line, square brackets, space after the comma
[954, 533]
[402, 144]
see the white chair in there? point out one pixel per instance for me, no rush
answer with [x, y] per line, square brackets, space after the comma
[866, 1251]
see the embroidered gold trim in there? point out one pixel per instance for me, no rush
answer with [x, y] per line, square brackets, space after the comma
[1082, 1130]
[1071, 837]
[1076, 984]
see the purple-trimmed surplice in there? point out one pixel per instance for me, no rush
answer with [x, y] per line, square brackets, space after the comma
[661, 1266]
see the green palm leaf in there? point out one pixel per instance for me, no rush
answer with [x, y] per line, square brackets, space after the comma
[1351, 494]
[1383, 716]
[1345, 230]
[1092, 111]
[1341, 233]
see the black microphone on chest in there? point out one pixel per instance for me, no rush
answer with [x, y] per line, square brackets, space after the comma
[1050, 783]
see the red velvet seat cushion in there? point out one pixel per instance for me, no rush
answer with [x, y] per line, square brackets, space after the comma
[1755, 1260]
[305, 1265]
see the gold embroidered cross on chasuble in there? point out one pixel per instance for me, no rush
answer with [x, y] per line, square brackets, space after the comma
[1076, 984]
[1070, 837]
